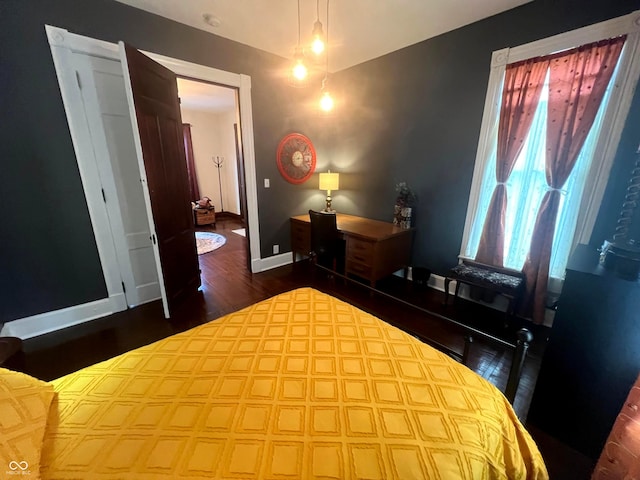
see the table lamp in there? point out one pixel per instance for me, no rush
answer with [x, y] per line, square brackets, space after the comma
[329, 181]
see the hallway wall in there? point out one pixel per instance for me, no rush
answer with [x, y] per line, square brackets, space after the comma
[212, 136]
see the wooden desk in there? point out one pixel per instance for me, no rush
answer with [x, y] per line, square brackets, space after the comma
[374, 249]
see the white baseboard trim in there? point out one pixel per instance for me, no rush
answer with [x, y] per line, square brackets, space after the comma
[48, 322]
[435, 281]
[275, 261]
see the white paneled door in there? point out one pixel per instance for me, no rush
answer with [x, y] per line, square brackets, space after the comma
[106, 110]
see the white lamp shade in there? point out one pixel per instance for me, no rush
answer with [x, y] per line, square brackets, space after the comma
[329, 181]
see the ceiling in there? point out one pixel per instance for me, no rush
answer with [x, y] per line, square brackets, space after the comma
[359, 30]
[204, 96]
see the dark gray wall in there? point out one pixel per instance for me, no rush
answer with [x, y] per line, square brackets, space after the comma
[48, 256]
[413, 115]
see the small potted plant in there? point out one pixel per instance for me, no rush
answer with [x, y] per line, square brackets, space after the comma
[404, 202]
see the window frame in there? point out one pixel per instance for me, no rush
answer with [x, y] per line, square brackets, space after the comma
[613, 121]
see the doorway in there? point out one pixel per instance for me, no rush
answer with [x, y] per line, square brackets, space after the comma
[67, 49]
[211, 112]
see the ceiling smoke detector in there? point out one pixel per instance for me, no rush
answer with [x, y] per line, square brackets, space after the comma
[211, 19]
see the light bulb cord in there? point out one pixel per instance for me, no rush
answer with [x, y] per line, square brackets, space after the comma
[326, 71]
[298, 23]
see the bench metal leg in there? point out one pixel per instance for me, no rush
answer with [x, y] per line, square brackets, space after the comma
[455, 294]
[447, 280]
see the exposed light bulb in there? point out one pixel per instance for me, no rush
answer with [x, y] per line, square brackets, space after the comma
[317, 46]
[326, 102]
[298, 73]
[300, 70]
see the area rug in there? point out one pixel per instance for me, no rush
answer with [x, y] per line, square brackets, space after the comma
[240, 231]
[208, 241]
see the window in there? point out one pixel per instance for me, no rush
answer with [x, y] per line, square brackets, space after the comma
[526, 187]
[527, 183]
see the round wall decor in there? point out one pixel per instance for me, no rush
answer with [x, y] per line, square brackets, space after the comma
[296, 158]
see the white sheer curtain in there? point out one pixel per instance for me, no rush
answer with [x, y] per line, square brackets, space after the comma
[526, 187]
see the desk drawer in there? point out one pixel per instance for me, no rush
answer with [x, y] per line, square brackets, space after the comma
[300, 237]
[359, 269]
[360, 251]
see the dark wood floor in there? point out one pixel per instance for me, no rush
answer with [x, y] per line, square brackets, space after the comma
[227, 285]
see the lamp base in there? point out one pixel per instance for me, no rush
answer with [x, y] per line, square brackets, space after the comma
[327, 208]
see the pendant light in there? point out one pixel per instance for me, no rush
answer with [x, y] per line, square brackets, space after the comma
[298, 73]
[317, 43]
[326, 101]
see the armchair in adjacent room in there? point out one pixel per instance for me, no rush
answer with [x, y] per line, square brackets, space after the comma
[204, 213]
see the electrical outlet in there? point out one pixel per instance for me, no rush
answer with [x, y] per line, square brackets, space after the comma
[276, 249]
[266, 183]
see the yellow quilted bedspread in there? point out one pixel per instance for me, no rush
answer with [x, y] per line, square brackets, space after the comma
[298, 386]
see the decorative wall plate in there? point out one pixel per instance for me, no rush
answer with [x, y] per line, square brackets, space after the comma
[296, 158]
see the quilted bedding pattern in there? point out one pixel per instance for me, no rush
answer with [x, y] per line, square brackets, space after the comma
[301, 385]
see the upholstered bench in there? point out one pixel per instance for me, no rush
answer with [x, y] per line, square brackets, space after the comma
[503, 281]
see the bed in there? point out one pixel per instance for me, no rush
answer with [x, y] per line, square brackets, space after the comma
[301, 385]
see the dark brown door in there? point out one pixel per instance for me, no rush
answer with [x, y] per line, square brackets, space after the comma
[240, 164]
[194, 191]
[153, 94]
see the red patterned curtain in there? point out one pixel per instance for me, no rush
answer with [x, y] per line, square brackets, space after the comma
[578, 79]
[520, 96]
[191, 165]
